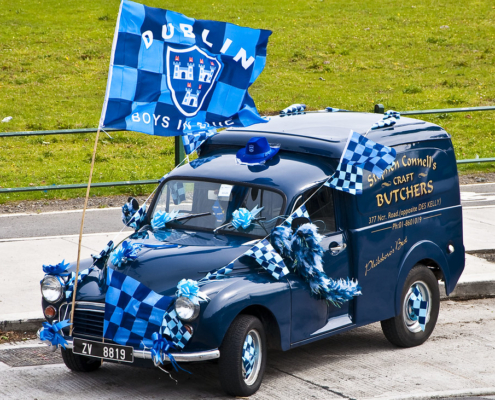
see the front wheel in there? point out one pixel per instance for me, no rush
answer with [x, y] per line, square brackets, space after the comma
[78, 363]
[420, 305]
[243, 356]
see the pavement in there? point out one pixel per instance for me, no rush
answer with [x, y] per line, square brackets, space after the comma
[29, 240]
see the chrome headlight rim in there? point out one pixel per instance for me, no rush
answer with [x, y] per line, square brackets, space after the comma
[53, 280]
[186, 310]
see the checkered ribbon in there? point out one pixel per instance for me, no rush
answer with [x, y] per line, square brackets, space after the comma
[391, 114]
[169, 71]
[133, 312]
[198, 162]
[108, 248]
[301, 212]
[217, 274]
[193, 140]
[347, 178]
[385, 123]
[332, 109]
[72, 279]
[418, 307]
[248, 356]
[360, 153]
[293, 109]
[178, 192]
[268, 258]
[138, 218]
[174, 329]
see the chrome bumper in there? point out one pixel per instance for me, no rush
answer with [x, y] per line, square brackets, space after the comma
[179, 357]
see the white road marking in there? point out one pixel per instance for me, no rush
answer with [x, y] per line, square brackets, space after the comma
[63, 236]
[58, 212]
[467, 197]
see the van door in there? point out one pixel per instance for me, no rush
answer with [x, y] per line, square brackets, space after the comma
[312, 316]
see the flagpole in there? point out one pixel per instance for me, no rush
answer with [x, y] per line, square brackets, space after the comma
[81, 231]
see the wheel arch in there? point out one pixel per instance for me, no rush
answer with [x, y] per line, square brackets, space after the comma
[270, 323]
[428, 254]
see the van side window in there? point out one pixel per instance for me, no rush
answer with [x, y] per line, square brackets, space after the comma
[320, 208]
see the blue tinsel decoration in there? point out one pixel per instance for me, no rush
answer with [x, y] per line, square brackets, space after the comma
[307, 250]
[281, 237]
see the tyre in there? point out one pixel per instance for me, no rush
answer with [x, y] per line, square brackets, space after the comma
[405, 330]
[243, 356]
[78, 363]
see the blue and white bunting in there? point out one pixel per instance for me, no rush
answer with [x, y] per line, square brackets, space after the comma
[169, 73]
[265, 255]
[360, 153]
[108, 248]
[193, 140]
[217, 274]
[173, 328]
[293, 109]
[69, 288]
[301, 212]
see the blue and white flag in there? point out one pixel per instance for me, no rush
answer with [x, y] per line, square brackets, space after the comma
[360, 153]
[171, 74]
[266, 256]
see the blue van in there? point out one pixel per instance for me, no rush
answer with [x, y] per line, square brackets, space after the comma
[397, 239]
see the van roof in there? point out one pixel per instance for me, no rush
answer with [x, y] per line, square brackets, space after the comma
[326, 133]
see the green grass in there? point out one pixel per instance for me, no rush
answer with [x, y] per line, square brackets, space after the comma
[54, 60]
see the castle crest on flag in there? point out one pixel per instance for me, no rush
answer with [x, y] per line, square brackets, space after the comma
[191, 74]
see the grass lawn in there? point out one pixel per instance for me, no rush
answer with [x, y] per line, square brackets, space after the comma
[419, 54]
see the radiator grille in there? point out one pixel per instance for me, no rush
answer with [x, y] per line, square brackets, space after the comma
[88, 319]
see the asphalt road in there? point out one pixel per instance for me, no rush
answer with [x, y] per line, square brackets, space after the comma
[457, 360]
[108, 220]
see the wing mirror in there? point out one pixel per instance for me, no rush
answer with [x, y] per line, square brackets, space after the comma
[129, 209]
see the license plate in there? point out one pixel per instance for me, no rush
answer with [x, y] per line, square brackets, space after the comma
[103, 350]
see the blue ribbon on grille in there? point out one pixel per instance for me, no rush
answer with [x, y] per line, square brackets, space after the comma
[60, 269]
[419, 307]
[301, 212]
[293, 109]
[169, 72]
[264, 253]
[50, 333]
[360, 153]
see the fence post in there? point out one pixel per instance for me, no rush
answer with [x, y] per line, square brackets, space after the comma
[179, 150]
[379, 109]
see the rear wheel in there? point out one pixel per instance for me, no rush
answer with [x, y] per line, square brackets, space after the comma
[420, 305]
[243, 356]
[78, 363]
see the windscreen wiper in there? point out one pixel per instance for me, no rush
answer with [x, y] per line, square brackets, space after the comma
[192, 216]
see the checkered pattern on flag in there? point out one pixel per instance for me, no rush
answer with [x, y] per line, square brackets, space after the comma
[218, 273]
[193, 140]
[301, 212]
[419, 307]
[133, 312]
[198, 162]
[173, 328]
[360, 153]
[170, 73]
[268, 258]
[178, 192]
[70, 284]
[347, 178]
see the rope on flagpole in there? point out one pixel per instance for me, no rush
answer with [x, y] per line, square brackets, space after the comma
[81, 232]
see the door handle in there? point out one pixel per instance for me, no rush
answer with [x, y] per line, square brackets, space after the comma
[336, 248]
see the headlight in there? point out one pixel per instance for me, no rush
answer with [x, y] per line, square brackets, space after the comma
[186, 309]
[51, 289]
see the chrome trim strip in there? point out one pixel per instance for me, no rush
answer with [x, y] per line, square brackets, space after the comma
[179, 357]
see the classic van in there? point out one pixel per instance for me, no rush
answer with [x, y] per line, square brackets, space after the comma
[398, 238]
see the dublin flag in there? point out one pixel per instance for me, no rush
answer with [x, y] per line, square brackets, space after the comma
[171, 74]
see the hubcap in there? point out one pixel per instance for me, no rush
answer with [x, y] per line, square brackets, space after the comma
[251, 357]
[410, 318]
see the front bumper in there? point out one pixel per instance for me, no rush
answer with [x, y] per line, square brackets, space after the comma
[179, 357]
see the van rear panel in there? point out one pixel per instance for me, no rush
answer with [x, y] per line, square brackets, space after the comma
[412, 214]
